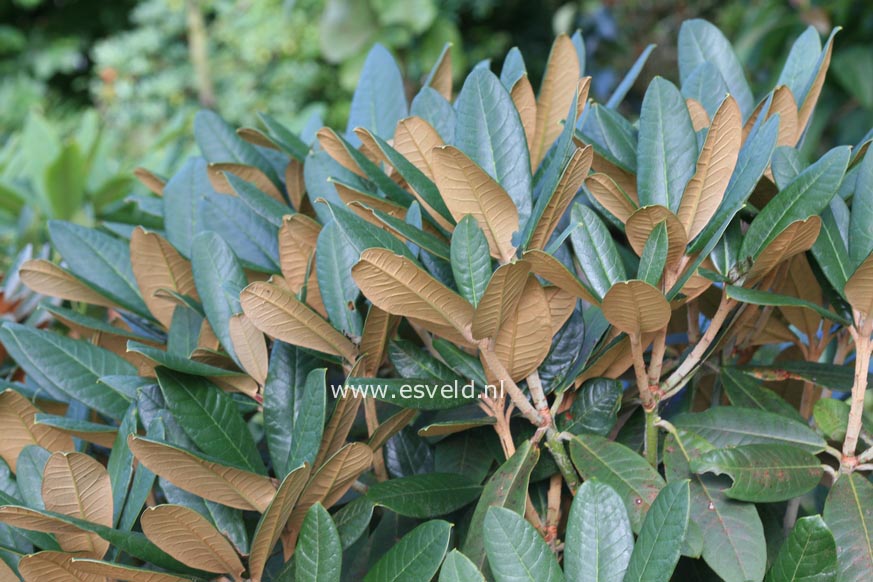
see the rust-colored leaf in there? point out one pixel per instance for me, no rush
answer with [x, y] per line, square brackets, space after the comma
[859, 287]
[624, 179]
[800, 282]
[336, 149]
[525, 336]
[468, 189]
[500, 298]
[551, 269]
[391, 427]
[250, 347]
[157, 265]
[610, 196]
[377, 328]
[641, 224]
[556, 93]
[46, 278]
[784, 105]
[561, 306]
[415, 139]
[441, 79]
[635, 307]
[797, 238]
[20, 430]
[104, 570]
[805, 111]
[699, 116]
[526, 104]
[150, 180]
[53, 567]
[251, 174]
[257, 137]
[568, 186]
[281, 315]
[294, 183]
[190, 538]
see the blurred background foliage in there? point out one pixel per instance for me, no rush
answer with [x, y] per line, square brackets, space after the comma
[92, 88]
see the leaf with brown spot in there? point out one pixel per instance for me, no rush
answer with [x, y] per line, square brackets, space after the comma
[500, 298]
[699, 116]
[571, 180]
[336, 148]
[551, 269]
[641, 224]
[19, 429]
[121, 572]
[75, 484]
[53, 567]
[396, 285]
[715, 166]
[797, 238]
[190, 538]
[218, 180]
[859, 287]
[327, 486]
[561, 306]
[281, 315]
[635, 307]
[150, 180]
[274, 519]
[609, 195]
[468, 189]
[294, 183]
[556, 93]
[250, 347]
[525, 102]
[157, 265]
[525, 336]
[220, 483]
[46, 278]
[415, 139]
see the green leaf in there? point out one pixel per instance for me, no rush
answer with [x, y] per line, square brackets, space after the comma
[848, 512]
[831, 247]
[763, 473]
[701, 42]
[259, 202]
[611, 135]
[507, 488]
[334, 260]
[318, 556]
[800, 66]
[179, 363]
[516, 551]
[29, 468]
[596, 251]
[101, 260]
[458, 568]
[219, 143]
[219, 279]
[254, 238]
[416, 557]
[360, 235]
[67, 369]
[286, 395]
[379, 101]
[352, 520]
[727, 426]
[832, 417]
[471, 260]
[489, 130]
[65, 180]
[786, 165]
[654, 256]
[839, 378]
[211, 419]
[809, 554]
[414, 234]
[283, 137]
[860, 237]
[182, 195]
[423, 496]
[807, 195]
[120, 465]
[758, 297]
[599, 539]
[308, 424]
[733, 536]
[747, 392]
[667, 151]
[657, 549]
[705, 85]
[595, 409]
[635, 480]
[627, 82]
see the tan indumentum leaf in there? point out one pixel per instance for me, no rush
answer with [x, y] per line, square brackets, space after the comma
[250, 347]
[715, 165]
[226, 485]
[53, 567]
[525, 336]
[355, 199]
[337, 430]
[391, 427]
[274, 520]
[798, 237]
[257, 137]
[635, 307]
[46, 278]
[801, 282]
[395, 284]
[571, 180]
[112, 571]
[157, 265]
[216, 173]
[327, 486]
[554, 271]
[31, 519]
[295, 184]
[190, 538]
[557, 90]
[415, 140]
[281, 315]
[377, 328]
[784, 105]
[441, 81]
[336, 149]
[371, 149]
[77, 485]
[6, 573]
[641, 224]
[500, 298]
[102, 438]
[859, 287]
[608, 194]
[468, 189]
[804, 113]
[150, 180]
[525, 102]
[207, 339]
[18, 427]
[624, 179]
[298, 237]
[699, 116]
[613, 363]
[561, 306]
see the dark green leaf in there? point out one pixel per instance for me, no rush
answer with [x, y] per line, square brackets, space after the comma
[307, 425]
[516, 551]
[596, 251]
[353, 520]
[424, 496]
[808, 555]
[334, 260]
[848, 512]
[458, 568]
[657, 549]
[747, 392]
[595, 408]
[471, 260]
[831, 247]
[318, 556]
[29, 468]
[654, 255]
[120, 465]
[758, 297]
[219, 143]
[416, 557]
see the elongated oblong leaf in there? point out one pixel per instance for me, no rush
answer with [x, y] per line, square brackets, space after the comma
[848, 514]
[157, 265]
[809, 553]
[471, 260]
[595, 250]
[425, 496]
[319, 554]
[516, 551]
[17, 417]
[656, 552]
[416, 557]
